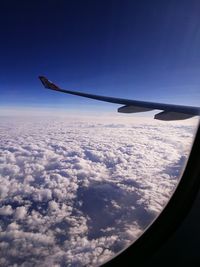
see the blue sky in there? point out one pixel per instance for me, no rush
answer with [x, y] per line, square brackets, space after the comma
[145, 50]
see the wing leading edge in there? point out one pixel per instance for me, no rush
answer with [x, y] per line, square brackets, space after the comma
[169, 111]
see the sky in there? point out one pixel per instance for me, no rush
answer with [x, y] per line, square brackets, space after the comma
[144, 50]
[53, 170]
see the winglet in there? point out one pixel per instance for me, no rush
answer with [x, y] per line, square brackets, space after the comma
[48, 84]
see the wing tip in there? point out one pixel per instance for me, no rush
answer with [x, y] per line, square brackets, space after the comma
[48, 84]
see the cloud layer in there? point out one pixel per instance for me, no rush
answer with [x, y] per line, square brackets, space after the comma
[75, 192]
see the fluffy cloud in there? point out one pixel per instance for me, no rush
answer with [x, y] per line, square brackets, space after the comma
[6, 210]
[75, 192]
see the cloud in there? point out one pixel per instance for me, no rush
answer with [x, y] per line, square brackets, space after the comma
[75, 192]
[20, 213]
[6, 210]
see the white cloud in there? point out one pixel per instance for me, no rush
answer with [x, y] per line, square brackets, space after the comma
[6, 210]
[75, 192]
[20, 213]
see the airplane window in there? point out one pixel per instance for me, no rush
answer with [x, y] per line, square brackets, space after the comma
[79, 181]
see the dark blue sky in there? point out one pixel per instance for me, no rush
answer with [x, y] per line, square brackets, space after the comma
[146, 50]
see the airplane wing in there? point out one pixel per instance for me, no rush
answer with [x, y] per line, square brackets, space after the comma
[169, 111]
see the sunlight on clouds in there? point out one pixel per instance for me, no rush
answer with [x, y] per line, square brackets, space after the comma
[75, 191]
